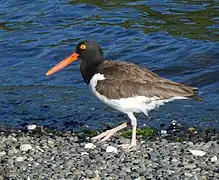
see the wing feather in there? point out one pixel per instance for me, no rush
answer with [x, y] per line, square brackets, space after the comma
[126, 80]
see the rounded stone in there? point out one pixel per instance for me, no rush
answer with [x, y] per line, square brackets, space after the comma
[89, 146]
[12, 151]
[31, 126]
[197, 152]
[20, 159]
[189, 166]
[214, 159]
[25, 147]
[2, 153]
[110, 149]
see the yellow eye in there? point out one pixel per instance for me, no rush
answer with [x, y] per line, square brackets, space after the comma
[83, 46]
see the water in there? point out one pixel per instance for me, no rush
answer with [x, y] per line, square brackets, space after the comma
[176, 39]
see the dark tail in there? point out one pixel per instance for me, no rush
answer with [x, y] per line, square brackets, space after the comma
[196, 95]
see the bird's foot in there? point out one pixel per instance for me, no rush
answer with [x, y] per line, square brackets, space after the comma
[104, 136]
[109, 133]
[129, 147]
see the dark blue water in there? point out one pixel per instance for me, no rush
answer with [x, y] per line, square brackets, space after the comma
[176, 39]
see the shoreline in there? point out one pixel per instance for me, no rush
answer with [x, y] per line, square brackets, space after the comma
[37, 154]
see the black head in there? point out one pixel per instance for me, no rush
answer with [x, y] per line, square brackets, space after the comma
[91, 55]
[89, 52]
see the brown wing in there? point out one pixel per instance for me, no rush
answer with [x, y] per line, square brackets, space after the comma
[125, 80]
[126, 71]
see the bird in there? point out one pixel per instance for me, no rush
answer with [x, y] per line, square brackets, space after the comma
[123, 86]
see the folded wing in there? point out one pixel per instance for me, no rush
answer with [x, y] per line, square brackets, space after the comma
[125, 80]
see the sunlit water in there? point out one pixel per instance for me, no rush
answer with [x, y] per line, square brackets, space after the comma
[176, 39]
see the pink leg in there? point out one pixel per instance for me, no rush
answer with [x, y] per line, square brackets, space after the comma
[134, 127]
[107, 134]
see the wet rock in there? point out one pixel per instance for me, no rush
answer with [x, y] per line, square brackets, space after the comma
[31, 127]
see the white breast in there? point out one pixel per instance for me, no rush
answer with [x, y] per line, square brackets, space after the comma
[135, 104]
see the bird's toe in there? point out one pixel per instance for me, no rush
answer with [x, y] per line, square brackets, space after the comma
[128, 147]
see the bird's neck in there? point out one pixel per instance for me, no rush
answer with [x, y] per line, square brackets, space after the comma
[88, 70]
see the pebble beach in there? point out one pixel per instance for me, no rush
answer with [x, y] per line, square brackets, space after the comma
[47, 122]
[42, 154]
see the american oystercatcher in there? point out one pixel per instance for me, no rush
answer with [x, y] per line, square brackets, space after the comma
[123, 86]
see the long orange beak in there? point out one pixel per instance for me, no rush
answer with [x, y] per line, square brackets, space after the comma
[63, 64]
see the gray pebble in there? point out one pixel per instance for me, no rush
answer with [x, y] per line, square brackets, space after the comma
[122, 174]
[189, 166]
[63, 158]
[114, 176]
[12, 151]
[2, 153]
[136, 161]
[135, 168]
[25, 147]
[89, 172]
[19, 159]
[126, 169]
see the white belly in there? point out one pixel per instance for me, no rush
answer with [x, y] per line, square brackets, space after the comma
[135, 104]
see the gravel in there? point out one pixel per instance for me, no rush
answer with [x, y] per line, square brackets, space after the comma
[25, 147]
[64, 155]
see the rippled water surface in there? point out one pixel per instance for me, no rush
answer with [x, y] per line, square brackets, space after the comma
[176, 39]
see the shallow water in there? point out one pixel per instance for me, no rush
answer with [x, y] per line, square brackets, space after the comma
[176, 39]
